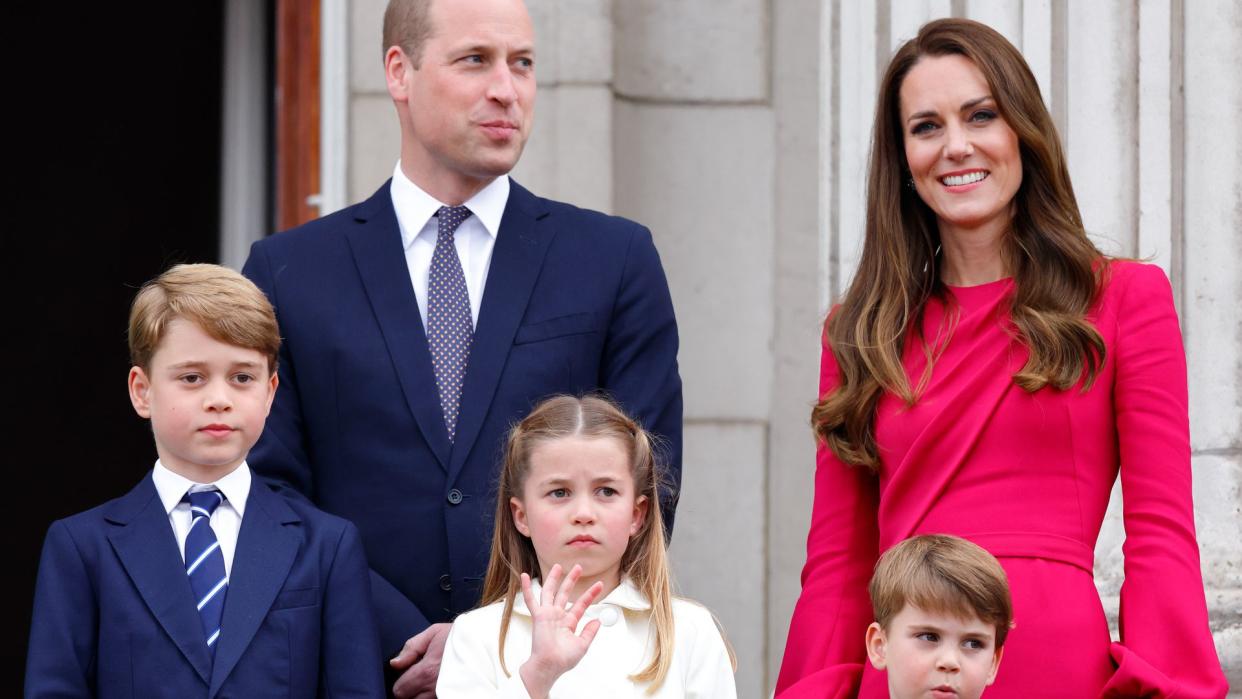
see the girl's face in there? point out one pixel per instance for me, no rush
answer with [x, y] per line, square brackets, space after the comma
[579, 506]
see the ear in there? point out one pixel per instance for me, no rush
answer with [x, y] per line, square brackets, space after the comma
[519, 516]
[640, 514]
[139, 391]
[877, 651]
[272, 383]
[397, 66]
[995, 665]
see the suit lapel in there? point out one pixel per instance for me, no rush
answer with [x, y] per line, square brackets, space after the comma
[266, 548]
[521, 244]
[144, 542]
[375, 241]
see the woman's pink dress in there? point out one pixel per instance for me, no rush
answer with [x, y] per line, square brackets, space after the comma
[1026, 476]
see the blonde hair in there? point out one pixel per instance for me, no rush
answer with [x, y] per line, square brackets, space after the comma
[945, 574]
[644, 560]
[226, 305]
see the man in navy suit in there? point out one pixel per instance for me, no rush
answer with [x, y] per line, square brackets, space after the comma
[202, 581]
[422, 322]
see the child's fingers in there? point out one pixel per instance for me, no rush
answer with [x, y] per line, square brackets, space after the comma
[562, 594]
[527, 594]
[548, 593]
[585, 600]
[589, 631]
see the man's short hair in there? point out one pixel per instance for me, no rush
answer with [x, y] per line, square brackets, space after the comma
[226, 305]
[942, 574]
[407, 24]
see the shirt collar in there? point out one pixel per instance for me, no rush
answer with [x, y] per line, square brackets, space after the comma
[626, 595]
[171, 487]
[415, 207]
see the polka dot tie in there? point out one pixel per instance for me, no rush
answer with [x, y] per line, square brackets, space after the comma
[449, 325]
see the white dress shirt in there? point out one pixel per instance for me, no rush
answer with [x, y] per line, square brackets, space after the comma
[225, 521]
[700, 668]
[475, 237]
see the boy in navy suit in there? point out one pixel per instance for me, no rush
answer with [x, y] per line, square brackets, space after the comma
[201, 581]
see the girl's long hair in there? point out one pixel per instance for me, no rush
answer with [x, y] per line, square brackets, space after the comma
[1056, 269]
[644, 560]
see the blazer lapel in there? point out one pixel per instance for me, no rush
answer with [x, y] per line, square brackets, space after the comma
[144, 542]
[376, 245]
[521, 244]
[266, 548]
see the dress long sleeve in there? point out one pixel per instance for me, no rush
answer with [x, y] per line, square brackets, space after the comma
[825, 652]
[1166, 648]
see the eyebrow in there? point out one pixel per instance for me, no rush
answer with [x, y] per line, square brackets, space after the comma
[965, 105]
[195, 363]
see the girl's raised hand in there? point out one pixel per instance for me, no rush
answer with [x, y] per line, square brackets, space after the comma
[555, 645]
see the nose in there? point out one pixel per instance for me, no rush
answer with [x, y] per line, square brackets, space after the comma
[957, 142]
[217, 397]
[501, 88]
[948, 661]
[584, 511]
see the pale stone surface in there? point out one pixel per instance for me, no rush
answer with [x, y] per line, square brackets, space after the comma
[906, 16]
[569, 154]
[1103, 120]
[374, 144]
[1218, 520]
[718, 547]
[797, 103]
[366, 56]
[693, 50]
[701, 179]
[1005, 16]
[1212, 314]
[573, 41]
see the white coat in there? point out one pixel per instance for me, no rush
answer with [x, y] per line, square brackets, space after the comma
[700, 667]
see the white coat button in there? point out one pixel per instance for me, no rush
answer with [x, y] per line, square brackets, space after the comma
[609, 616]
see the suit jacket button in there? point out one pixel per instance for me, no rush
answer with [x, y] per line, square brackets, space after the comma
[455, 497]
[446, 583]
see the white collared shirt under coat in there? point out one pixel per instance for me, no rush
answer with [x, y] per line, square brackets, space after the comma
[225, 521]
[700, 667]
[474, 238]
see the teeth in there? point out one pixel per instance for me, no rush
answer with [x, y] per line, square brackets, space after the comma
[959, 180]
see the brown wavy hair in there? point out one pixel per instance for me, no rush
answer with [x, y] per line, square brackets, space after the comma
[644, 561]
[1056, 269]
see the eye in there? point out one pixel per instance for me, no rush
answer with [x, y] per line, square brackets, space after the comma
[473, 58]
[975, 644]
[191, 379]
[243, 378]
[606, 491]
[929, 636]
[923, 127]
[525, 63]
[983, 116]
[558, 493]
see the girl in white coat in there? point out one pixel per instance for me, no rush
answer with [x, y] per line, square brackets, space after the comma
[578, 492]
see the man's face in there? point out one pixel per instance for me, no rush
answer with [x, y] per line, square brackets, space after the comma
[931, 655]
[466, 109]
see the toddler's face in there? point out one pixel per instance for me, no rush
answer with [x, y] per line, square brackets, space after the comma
[579, 505]
[207, 401]
[934, 655]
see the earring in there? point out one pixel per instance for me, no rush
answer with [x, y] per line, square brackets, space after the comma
[910, 183]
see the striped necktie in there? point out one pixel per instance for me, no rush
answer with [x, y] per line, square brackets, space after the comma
[204, 563]
[450, 327]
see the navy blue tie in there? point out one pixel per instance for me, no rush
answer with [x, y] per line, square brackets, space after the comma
[450, 328]
[204, 563]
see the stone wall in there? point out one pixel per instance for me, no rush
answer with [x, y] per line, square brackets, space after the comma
[737, 130]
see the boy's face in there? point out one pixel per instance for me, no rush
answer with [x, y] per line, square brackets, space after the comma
[207, 401]
[934, 656]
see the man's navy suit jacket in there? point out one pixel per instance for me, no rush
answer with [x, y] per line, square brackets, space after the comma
[574, 301]
[114, 615]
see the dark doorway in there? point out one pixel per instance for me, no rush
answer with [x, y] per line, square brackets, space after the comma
[114, 170]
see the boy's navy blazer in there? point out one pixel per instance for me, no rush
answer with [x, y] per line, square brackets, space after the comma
[574, 301]
[114, 615]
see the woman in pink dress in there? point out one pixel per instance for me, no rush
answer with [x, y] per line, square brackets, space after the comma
[989, 374]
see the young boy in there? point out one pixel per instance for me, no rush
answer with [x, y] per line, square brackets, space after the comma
[942, 611]
[201, 581]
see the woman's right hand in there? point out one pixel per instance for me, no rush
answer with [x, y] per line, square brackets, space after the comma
[555, 645]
